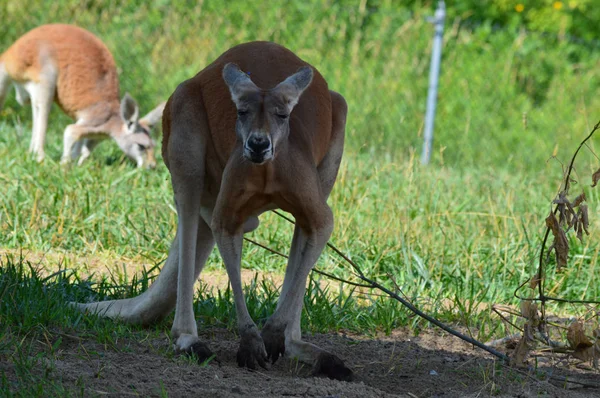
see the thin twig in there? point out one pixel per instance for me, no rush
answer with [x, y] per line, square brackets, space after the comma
[542, 297]
[318, 271]
[499, 342]
[561, 300]
[592, 151]
[408, 304]
[505, 319]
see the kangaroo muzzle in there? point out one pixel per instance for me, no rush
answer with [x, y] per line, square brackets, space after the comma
[258, 148]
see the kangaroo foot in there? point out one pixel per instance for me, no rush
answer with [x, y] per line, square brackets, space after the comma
[192, 346]
[252, 350]
[273, 336]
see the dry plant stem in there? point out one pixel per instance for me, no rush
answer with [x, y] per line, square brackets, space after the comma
[542, 297]
[505, 319]
[503, 340]
[410, 306]
[314, 269]
[430, 318]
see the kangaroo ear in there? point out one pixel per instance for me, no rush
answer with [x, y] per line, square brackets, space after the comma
[238, 82]
[293, 87]
[129, 109]
[153, 116]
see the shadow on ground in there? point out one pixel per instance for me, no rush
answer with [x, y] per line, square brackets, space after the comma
[430, 365]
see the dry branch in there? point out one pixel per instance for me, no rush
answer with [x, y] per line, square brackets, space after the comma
[376, 285]
[572, 216]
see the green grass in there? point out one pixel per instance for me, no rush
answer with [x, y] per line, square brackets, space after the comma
[439, 231]
[501, 92]
[464, 231]
[34, 319]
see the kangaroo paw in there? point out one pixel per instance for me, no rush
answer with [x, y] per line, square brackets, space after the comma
[252, 350]
[274, 339]
[192, 346]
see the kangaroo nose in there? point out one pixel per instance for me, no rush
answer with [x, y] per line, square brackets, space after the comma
[258, 143]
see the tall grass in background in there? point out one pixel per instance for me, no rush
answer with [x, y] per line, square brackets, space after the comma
[466, 227]
[505, 99]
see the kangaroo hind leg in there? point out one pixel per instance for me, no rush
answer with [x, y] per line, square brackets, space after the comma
[185, 155]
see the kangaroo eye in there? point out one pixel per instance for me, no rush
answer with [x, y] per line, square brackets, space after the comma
[282, 116]
[141, 147]
[242, 112]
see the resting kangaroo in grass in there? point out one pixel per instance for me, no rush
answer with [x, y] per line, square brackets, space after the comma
[69, 65]
[258, 129]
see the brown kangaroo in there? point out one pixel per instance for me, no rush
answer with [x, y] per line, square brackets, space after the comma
[71, 66]
[257, 129]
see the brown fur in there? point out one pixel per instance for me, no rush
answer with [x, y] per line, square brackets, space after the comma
[224, 177]
[310, 122]
[87, 72]
[72, 67]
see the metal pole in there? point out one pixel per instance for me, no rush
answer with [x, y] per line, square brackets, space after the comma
[434, 73]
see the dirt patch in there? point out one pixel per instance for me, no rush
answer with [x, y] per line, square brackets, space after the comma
[123, 269]
[105, 264]
[401, 365]
[431, 365]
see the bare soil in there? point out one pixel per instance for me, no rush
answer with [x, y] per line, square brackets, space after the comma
[400, 365]
[432, 364]
[106, 264]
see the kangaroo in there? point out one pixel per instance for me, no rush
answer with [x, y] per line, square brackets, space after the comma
[71, 66]
[257, 129]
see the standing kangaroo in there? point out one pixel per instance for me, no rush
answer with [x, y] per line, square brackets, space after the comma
[71, 66]
[257, 129]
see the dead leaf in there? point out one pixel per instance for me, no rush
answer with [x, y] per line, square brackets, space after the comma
[582, 213]
[595, 178]
[562, 215]
[534, 282]
[560, 244]
[552, 223]
[585, 354]
[563, 206]
[520, 354]
[576, 336]
[529, 310]
[579, 231]
[562, 198]
[588, 353]
[578, 200]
